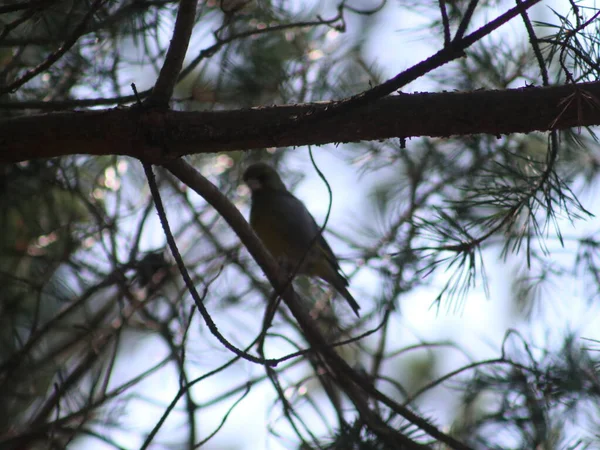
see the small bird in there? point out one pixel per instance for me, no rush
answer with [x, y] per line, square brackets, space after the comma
[287, 229]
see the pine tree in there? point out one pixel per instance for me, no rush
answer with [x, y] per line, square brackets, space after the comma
[139, 310]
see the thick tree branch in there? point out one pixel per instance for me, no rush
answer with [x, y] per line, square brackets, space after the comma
[449, 53]
[143, 134]
[163, 89]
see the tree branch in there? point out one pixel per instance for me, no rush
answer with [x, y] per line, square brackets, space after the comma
[449, 53]
[353, 384]
[142, 134]
[163, 89]
[52, 58]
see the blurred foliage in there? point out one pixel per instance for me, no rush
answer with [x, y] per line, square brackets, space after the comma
[97, 326]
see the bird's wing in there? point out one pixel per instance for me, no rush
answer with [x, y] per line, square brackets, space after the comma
[287, 229]
[299, 226]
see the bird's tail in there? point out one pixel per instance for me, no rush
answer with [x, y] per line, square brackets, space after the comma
[328, 271]
[348, 296]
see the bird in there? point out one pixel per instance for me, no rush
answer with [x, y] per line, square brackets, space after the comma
[287, 229]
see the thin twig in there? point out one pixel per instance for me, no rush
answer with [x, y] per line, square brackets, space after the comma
[354, 384]
[533, 40]
[186, 276]
[50, 60]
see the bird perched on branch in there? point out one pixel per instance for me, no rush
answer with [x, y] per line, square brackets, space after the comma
[287, 230]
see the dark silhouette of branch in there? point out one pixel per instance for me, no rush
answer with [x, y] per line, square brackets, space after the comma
[188, 281]
[167, 78]
[466, 20]
[354, 384]
[534, 41]
[51, 59]
[141, 134]
[442, 57]
[59, 105]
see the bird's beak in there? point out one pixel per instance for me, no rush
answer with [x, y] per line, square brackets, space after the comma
[253, 184]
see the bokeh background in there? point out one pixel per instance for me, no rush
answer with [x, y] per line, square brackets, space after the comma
[474, 258]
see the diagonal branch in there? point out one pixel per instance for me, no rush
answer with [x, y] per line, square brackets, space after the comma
[355, 385]
[442, 57]
[184, 24]
[50, 60]
[186, 276]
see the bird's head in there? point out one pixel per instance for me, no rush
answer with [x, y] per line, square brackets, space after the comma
[262, 177]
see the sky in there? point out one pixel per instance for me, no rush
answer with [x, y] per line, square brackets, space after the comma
[479, 326]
